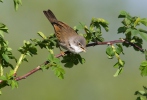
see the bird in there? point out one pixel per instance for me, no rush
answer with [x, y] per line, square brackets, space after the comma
[67, 38]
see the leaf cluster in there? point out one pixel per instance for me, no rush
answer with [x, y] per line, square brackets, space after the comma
[55, 65]
[5, 57]
[5, 50]
[72, 59]
[130, 28]
[50, 41]
[112, 51]
[134, 35]
[94, 32]
[142, 95]
[8, 80]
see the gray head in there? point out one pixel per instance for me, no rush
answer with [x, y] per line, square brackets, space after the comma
[77, 44]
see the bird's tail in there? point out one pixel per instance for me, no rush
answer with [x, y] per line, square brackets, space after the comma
[50, 16]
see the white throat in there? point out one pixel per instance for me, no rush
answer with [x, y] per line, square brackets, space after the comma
[77, 49]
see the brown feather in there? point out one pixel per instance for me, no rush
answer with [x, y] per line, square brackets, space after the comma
[62, 30]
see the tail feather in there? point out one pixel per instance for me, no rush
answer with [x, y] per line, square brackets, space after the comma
[50, 16]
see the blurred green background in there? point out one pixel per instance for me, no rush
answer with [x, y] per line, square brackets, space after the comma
[92, 81]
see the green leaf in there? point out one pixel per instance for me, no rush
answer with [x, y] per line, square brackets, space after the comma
[88, 35]
[72, 59]
[140, 98]
[28, 49]
[144, 63]
[110, 52]
[126, 21]
[117, 65]
[75, 61]
[17, 3]
[144, 21]
[128, 30]
[14, 84]
[137, 21]
[11, 74]
[143, 68]
[42, 35]
[58, 71]
[143, 35]
[69, 65]
[33, 50]
[82, 61]
[104, 24]
[25, 59]
[123, 14]
[79, 27]
[0, 92]
[122, 29]
[142, 30]
[139, 92]
[118, 72]
[135, 32]
[51, 57]
[120, 63]
[9, 49]
[3, 28]
[3, 78]
[145, 89]
[119, 49]
[56, 60]
[79, 58]
[98, 22]
[5, 56]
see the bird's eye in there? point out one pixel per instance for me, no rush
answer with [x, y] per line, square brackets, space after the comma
[79, 44]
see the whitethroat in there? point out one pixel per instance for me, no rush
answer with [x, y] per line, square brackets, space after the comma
[67, 37]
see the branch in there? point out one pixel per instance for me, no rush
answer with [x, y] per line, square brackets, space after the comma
[66, 52]
[132, 44]
[105, 43]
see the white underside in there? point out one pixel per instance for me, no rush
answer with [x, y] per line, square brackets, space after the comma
[77, 49]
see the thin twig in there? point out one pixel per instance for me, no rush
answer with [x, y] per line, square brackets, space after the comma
[31, 72]
[132, 44]
[104, 43]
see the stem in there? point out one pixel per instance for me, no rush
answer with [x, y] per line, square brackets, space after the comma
[134, 45]
[28, 74]
[19, 62]
[50, 50]
[117, 56]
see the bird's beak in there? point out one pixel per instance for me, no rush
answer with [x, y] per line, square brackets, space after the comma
[84, 50]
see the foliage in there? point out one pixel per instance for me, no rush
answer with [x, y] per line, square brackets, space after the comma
[132, 32]
[142, 95]
[17, 3]
[72, 59]
[112, 51]
[134, 37]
